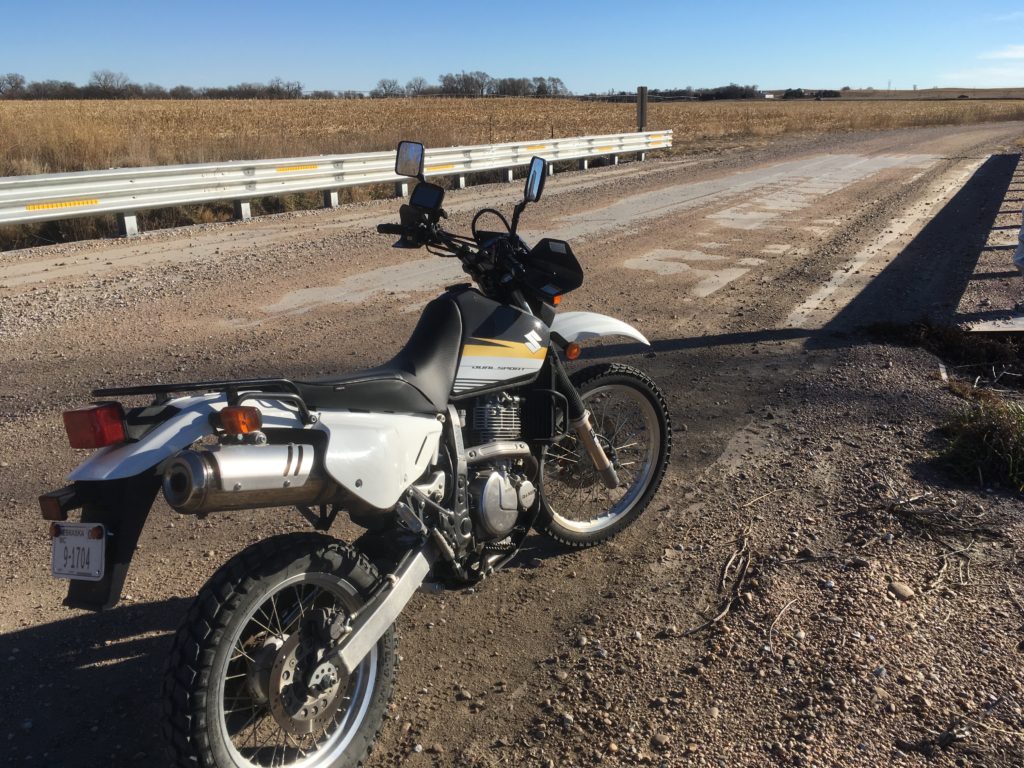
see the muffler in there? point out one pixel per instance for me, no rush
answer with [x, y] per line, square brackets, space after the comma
[246, 477]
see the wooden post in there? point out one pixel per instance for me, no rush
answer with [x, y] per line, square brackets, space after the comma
[641, 108]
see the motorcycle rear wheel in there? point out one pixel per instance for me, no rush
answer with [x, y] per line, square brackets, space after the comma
[237, 692]
[631, 420]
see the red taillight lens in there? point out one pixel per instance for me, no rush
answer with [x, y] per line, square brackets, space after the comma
[95, 426]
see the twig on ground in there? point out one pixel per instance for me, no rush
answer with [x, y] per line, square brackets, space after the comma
[771, 627]
[759, 498]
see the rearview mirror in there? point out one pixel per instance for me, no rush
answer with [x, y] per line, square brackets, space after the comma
[535, 180]
[409, 159]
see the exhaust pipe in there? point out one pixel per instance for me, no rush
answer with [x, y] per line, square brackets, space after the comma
[246, 477]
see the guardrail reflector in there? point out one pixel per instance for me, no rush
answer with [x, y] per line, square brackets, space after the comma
[287, 168]
[62, 204]
[446, 167]
[655, 138]
[537, 146]
[605, 149]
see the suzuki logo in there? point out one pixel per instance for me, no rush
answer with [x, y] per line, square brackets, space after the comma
[533, 341]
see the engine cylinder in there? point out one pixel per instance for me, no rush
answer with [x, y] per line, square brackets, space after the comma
[245, 477]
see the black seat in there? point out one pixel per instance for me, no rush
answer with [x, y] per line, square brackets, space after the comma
[417, 380]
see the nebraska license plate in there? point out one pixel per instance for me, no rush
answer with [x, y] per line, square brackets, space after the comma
[79, 552]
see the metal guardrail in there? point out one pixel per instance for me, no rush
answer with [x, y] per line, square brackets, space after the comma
[126, 191]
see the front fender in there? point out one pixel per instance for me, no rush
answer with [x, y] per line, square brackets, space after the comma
[191, 423]
[580, 326]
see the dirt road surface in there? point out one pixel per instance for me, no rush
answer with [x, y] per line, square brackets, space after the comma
[797, 439]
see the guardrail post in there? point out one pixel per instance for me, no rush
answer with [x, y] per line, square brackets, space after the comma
[511, 175]
[614, 159]
[128, 224]
[641, 156]
[330, 198]
[243, 210]
[551, 169]
[462, 181]
[584, 164]
[401, 189]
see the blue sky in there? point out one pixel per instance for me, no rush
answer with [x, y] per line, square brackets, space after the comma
[592, 45]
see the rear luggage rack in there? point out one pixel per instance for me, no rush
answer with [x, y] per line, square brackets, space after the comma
[237, 391]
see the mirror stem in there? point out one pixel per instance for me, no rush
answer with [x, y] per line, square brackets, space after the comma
[515, 216]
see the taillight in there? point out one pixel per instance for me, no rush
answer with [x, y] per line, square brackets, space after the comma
[95, 426]
[241, 419]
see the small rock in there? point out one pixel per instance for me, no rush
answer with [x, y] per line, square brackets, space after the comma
[561, 675]
[860, 562]
[613, 747]
[900, 591]
[713, 712]
[418, 748]
[801, 635]
[661, 740]
[463, 695]
[435, 749]
[582, 641]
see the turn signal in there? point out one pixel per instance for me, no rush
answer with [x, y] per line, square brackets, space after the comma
[573, 350]
[556, 300]
[241, 419]
[96, 426]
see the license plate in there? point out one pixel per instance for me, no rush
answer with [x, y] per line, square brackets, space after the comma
[76, 554]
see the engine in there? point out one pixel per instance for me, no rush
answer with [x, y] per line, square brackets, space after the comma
[500, 466]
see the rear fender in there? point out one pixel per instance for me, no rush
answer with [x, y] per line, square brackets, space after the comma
[122, 506]
[580, 326]
[190, 423]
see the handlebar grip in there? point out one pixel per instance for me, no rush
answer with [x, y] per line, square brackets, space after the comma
[391, 229]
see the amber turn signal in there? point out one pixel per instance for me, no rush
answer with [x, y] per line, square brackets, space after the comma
[573, 350]
[556, 300]
[241, 419]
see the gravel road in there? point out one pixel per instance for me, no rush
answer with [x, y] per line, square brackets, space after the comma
[753, 273]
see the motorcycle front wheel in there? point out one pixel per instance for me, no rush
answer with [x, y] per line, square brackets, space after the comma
[240, 692]
[631, 420]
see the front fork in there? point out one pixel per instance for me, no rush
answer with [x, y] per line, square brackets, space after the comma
[579, 421]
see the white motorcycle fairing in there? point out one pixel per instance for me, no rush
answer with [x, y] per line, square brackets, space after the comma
[580, 326]
[376, 456]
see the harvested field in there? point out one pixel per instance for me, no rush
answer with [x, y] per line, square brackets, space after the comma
[54, 136]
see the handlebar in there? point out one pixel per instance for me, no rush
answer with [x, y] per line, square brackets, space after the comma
[391, 229]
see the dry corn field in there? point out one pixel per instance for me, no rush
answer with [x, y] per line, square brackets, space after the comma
[41, 136]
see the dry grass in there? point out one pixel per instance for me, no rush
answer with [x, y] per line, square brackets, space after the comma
[41, 137]
[55, 136]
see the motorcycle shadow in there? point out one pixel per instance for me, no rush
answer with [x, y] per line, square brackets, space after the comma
[85, 691]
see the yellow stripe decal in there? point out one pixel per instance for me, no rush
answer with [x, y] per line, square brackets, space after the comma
[445, 167]
[605, 149]
[63, 204]
[503, 349]
[289, 168]
[537, 146]
[654, 138]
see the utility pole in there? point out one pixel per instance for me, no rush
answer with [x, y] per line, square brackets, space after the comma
[641, 108]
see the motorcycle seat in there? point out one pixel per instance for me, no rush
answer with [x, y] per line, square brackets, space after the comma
[417, 380]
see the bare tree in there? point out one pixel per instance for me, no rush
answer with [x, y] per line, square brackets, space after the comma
[416, 86]
[387, 88]
[105, 84]
[12, 85]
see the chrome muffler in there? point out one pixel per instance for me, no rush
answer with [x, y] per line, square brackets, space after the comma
[246, 477]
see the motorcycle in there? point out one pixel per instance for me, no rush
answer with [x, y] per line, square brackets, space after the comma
[447, 456]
